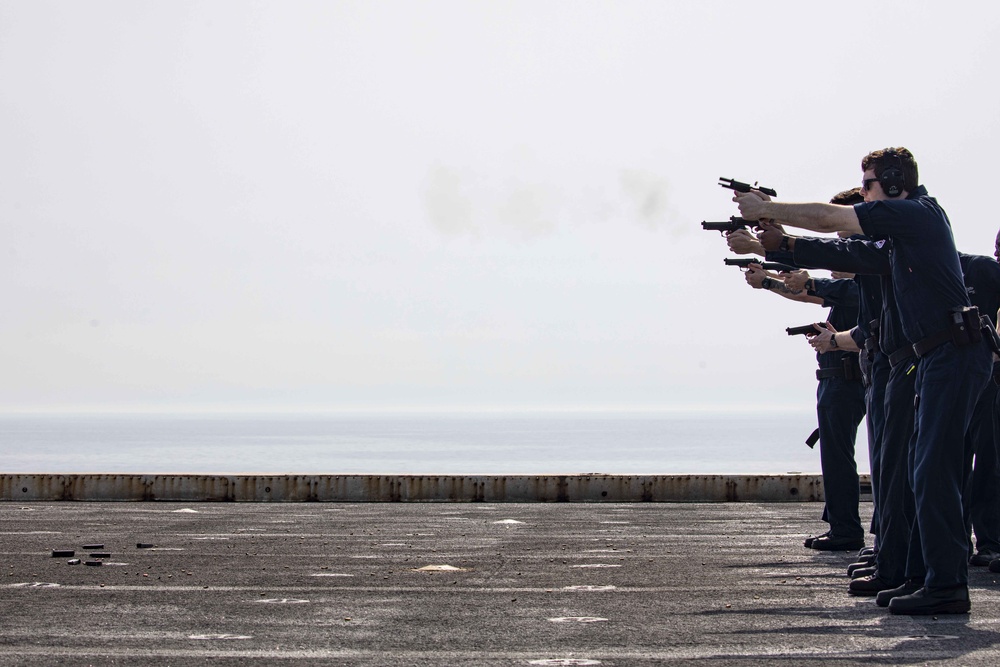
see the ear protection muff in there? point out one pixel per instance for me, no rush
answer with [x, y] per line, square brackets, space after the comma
[892, 180]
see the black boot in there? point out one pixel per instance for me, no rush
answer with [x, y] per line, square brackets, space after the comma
[869, 586]
[831, 543]
[909, 587]
[928, 601]
[860, 565]
[808, 542]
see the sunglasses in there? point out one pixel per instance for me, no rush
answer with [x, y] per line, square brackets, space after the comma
[866, 183]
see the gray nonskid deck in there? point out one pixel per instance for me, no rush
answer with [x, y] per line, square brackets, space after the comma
[533, 583]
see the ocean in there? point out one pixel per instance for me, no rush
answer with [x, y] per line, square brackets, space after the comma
[413, 443]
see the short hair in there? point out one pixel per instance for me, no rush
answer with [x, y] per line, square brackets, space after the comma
[848, 197]
[888, 158]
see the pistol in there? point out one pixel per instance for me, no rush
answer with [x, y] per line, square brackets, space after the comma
[735, 222]
[744, 262]
[807, 330]
[745, 187]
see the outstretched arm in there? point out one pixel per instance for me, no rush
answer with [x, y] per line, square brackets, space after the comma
[816, 217]
[758, 278]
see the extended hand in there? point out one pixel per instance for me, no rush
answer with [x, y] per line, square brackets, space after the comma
[742, 242]
[752, 204]
[821, 341]
[796, 280]
[770, 236]
[755, 276]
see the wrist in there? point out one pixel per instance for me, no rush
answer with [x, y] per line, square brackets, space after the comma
[783, 246]
[767, 283]
[833, 342]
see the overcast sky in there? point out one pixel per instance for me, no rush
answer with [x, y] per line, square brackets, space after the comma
[437, 205]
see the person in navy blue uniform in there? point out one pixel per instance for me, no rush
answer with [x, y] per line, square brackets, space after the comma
[863, 338]
[982, 498]
[894, 376]
[841, 396]
[840, 407]
[955, 363]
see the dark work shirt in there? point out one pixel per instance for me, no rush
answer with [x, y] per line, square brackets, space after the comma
[860, 256]
[865, 260]
[926, 275]
[841, 297]
[982, 280]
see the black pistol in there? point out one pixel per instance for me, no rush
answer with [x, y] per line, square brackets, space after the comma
[807, 330]
[745, 262]
[734, 223]
[745, 187]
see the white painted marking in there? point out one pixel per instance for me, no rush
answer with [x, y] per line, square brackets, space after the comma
[509, 521]
[185, 511]
[330, 574]
[564, 661]
[588, 588]
[36, 584]
[596, 565]
[283, 601]
[219, 637]
[577, 619]
[440, 568]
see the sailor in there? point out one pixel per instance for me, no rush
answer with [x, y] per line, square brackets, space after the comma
[894, 377]
[982, 498]
[840, 407]
[955, 361]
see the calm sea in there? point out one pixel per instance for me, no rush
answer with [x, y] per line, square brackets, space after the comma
[494, 443]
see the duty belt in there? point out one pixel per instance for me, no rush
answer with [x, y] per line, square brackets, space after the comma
[966, 328]
[901, 355]
[922, 347]
[848, 370]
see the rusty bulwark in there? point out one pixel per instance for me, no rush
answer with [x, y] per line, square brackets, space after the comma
[416, 488]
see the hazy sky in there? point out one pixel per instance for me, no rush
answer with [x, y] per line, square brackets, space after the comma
[342, 205]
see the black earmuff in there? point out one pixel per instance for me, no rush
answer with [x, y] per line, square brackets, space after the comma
[892, 180]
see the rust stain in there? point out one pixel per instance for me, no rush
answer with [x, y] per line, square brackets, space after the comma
[417, 488]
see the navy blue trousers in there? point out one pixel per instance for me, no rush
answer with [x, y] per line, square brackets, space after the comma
[840, 407]
[875, 418]
[982, 497]
[949, 382]
[895, 493]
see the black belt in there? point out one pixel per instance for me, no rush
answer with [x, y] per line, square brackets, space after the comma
[922, 347]
[826, 373]
[849, 370]
[901, 355]
[966, 328]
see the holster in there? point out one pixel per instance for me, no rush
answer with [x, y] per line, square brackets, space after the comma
[990, 334]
